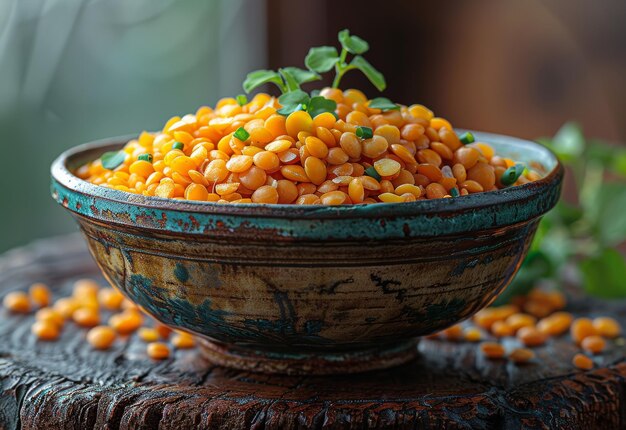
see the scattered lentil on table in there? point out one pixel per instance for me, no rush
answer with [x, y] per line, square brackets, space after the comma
[84, 307]
[530, 321]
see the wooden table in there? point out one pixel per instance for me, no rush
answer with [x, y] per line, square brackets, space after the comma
[65, 384]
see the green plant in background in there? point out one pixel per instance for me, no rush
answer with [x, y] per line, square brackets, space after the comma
[585, 233]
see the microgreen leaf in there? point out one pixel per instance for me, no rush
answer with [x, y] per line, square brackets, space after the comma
[467, 138]
[383, 103]
[241, 134]
[371, 171]
[259, 77]
[512, 174]
[375, 77]
[316, 92]
[241, 99]
[110, 160]
[145, 157]
[352, 44]
[301, 76]
[290, 81]
[320, 105]
[321, 59]
[286, 110]
[293, 98]
[364, 132]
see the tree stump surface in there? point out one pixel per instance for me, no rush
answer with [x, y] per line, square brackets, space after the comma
[67, 385]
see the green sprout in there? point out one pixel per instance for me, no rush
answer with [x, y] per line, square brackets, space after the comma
[319, 60]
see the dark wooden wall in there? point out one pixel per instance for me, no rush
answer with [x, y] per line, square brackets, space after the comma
[507, 66]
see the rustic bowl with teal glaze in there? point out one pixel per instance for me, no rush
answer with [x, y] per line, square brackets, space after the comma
[310, 289]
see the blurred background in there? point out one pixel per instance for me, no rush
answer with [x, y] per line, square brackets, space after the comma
[72, 71]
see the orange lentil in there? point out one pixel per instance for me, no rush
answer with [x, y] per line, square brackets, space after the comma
[517, 321]
[85, 289]
[555, 324]
[582, 362]
[472, 334]
[17, 301]
[66, 306]
[148, 334]
[265, 194]
[593, 344]
[126, 322]
[530, 336]
[333, 198]
[101, 337]
[39, 294]
[537, 308]
[50, 315]
[492, 350]
[158, 351]
[502, 329]
[86, 317]
[582, 328]
[183, 341]
[607, 327]
[521, 355]
[45, 330]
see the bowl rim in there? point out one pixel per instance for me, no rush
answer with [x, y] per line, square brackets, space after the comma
[62, 176]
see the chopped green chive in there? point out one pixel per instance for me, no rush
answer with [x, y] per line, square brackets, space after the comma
[467, 138]
[370, 171]
[110, 160]
[512, 174]
[454, 192]
[364, 132]
[178, 145]
[241, 99]
[242, 134]
[145, 157]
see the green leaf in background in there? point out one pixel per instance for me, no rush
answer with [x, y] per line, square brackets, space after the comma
[370, 72]
[604, 275]
[610, 221]
[619, 163]
[320, 105]
[112, 159]
[352, 44]
[322, 58]
[569, 142]
[383, 103]
[301, 76]
[259, 77]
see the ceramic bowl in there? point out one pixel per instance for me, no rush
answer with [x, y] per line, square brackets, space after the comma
[309, 289]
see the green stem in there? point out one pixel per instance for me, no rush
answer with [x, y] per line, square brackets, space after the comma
[283, 88]
[340, 68]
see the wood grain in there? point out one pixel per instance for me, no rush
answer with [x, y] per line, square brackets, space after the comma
[64, 384]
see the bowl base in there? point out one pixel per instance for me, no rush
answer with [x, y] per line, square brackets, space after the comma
[309, 363]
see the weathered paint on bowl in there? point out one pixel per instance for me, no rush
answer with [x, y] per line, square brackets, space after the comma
[310, 289]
